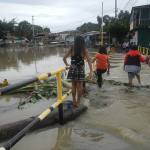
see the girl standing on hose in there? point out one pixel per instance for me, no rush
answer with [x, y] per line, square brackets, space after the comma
[77, 69]
[102, 64]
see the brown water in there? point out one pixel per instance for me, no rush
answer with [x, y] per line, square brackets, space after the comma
[117, 117]
[20, 63]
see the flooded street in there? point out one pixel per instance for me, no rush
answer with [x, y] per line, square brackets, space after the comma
[117, 117]
[20, 63]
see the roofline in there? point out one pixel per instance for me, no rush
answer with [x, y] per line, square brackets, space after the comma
[91, 33]
[141, 6]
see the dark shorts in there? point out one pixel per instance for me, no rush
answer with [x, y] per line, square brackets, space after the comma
[131, 75]
[76, 73]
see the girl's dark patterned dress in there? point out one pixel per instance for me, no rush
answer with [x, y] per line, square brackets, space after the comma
[77, 71]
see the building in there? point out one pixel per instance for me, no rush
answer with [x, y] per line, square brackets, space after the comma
[69, 39]
[68, 36]
[140, 27]
[42, 38]
[93, 38]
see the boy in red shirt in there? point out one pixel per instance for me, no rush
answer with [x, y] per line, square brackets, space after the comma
[102, 64]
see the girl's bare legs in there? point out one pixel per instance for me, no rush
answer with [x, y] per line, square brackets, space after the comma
[138, 78]
[130, 78]
[130, 82]
[79, 91]
[74, 92]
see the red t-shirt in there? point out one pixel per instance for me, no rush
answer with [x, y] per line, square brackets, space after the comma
[101, 61]
[135, 53]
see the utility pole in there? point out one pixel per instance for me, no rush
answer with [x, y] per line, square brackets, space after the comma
[34, 43]
[102, 38]
[116, 9]
[33, 27]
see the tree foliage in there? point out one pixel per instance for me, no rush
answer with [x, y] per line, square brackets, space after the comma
[21, 29]
[116, 27]
[119, 27]
[87, 27]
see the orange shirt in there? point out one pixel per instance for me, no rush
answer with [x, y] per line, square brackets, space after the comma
[101, 61]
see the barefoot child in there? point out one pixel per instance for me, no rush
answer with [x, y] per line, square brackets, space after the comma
[102, 64]
[77, 71]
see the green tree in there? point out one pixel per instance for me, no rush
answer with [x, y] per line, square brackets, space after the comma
[118, 27]
[47, 30]
[87, 27]
[11, 26]
[24, 29]
[38, 29]
[107, 19]
[6, 27]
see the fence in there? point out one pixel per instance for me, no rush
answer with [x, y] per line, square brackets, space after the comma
[144, 50]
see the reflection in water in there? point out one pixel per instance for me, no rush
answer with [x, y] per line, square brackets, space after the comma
[18, 63]
[63, 138]
[8, 59]
[12, 57]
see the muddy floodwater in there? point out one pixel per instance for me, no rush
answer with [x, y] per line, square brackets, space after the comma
[118, 117]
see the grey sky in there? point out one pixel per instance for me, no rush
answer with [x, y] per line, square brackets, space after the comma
[61, 15]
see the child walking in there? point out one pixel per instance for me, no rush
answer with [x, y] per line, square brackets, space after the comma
[132, 64]
[102, 64]
[77, 70]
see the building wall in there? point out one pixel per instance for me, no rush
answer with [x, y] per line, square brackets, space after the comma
[140, 17]
[134, 39]
[140, 23]
[144, 37]
[144, 41]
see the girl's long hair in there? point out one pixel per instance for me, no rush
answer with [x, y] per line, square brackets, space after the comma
[79, 46]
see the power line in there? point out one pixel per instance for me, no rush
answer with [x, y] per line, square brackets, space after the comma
[129, 4]
[135, 2]
[110, 10]
[126, 5]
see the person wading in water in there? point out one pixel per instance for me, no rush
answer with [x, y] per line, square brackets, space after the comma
[102, 64]
[77, 69]
[132, 64]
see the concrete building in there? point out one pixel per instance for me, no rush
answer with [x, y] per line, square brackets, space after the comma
[93, 38]
[140, 27]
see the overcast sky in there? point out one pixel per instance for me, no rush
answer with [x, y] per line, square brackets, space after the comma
[60, 15]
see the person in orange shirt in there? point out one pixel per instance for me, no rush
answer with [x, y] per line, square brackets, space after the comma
[102, 64]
